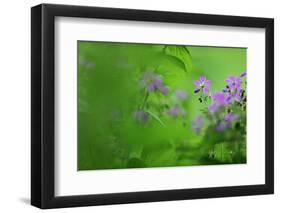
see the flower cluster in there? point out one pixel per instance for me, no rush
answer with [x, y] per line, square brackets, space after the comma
[219, 101]
[233, 89]
[221, 106]
[153, 82]
[226, 122]
[223, 102]
[171, 103]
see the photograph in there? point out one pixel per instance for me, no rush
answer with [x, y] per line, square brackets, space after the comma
[160, 105]
[138, 105]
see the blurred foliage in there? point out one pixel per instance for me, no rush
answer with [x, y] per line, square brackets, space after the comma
[110, 93]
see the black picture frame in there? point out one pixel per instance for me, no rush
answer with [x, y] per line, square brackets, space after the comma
[43, 102]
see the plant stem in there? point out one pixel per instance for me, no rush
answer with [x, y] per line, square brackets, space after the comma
[145, 100]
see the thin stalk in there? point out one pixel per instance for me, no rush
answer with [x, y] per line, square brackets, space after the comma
[145, 100]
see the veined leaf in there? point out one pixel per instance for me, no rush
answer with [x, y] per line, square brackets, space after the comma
[181, 53]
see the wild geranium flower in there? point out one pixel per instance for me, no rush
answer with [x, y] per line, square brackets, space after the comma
[202, 84]
[153, 82]
[174, 111]
[231, 117]
[141, 116]
[197, 124]
[233, 96]
[219, 100]
[234, 83]
[226, 123]
[181, 94]
[233, 88]
[213, 107]
[221, 126]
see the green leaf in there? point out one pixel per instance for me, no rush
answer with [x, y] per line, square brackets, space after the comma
[181, 53]
[155, 117]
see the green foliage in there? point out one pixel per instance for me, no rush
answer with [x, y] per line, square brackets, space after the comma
[181, 53]
[121, 124]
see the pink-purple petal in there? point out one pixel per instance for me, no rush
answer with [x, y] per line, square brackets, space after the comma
[197, 83]
[206, 90]
[208, 83]
[202, 78]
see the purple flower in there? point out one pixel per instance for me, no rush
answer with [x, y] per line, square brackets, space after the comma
[231, 117]
[219, 100]
[197, 124]
[233, 97]
[175, 111]
[151, 88]
[226, 123]
[233, 88]
[234, 83]
[182, 95]
[222, 126]
[213, 107]
[153, 83]
[202, 84]
[244, 74]
[141, 116]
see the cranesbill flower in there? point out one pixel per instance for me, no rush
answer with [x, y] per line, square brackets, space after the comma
[202, 84]
[197, 124]
[219, 100]
[234, 82]
[231, 117]
[234, 97]
[221, 126]
[233, 88]
[226, 123]
[213, 107]
[174, 111]
[141, 116]
[153, 83]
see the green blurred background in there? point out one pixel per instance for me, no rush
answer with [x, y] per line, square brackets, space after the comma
[109, 92]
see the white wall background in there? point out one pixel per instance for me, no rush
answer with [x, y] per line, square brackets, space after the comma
[15, 105]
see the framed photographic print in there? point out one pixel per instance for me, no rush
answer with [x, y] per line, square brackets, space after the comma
[138, 106]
